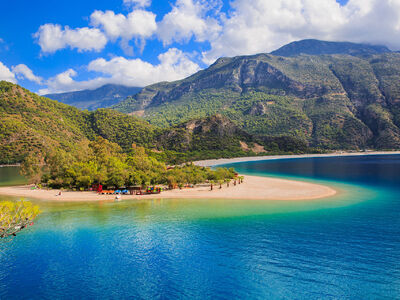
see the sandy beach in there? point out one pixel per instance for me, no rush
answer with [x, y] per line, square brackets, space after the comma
[223, 161]
[253, 188]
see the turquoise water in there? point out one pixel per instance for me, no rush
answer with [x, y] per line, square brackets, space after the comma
[347, 246]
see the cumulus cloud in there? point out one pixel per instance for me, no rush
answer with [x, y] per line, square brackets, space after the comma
[52, 37]
[6, 74]
[262, 26]
[248, 27]
[188, 19]
[64, 82]
[23, 71]
[138, 3]
[139, 24]
[173, 65]
[374, 21]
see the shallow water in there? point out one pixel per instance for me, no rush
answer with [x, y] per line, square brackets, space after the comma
[347, 246]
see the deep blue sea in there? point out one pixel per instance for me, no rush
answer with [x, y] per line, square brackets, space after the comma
[343, 247]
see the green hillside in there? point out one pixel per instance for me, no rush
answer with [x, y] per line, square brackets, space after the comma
[30, 124]
[327, 101]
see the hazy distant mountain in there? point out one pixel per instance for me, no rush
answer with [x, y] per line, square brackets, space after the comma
[328, 101]
[102, 97]
[316, 47]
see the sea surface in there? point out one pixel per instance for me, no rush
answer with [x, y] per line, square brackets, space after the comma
[343, 247]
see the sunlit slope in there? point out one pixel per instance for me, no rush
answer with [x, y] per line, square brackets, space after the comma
[329, 101]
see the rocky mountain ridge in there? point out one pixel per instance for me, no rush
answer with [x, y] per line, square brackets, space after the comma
[329, 101]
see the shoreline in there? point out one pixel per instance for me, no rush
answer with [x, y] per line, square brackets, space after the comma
[224, 161]
[253, 188]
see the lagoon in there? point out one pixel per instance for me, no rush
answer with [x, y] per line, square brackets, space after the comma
[347, 246]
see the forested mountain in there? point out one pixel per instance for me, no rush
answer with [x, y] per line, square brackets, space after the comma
[33, 124]
[326, 101]
[316, 47]
[238, 106]
[102, 97]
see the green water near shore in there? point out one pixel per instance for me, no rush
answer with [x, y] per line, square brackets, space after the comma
[172, 209]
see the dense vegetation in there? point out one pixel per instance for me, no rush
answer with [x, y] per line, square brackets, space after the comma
[323, 101]
[29, 123]
[33, 124]
[239, 106]
[104, 162]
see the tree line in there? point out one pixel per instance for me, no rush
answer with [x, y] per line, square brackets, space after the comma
[103, 162]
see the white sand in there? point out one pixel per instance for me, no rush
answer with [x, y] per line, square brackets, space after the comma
[253, 188]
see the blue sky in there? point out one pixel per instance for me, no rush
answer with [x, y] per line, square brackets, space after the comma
[57, 46]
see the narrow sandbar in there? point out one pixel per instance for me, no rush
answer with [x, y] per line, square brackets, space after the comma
[253, 188]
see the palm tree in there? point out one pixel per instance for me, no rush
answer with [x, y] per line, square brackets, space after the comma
[212, 184]
[220, 183]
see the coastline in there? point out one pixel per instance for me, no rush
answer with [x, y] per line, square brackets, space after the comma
[224, 161]
[253, 188]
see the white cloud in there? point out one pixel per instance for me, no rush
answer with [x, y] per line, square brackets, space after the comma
[52, 37]
[6, 74]
[262, 25]
[138, 3]
[23, 71]
[188, 19]
[374, 21]
[249, 27]
[64, 82]
[174, 65]
[139, 25]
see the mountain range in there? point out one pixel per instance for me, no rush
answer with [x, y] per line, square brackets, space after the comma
[239, 106]
[329, 101]
[33, 124]
[102, 97]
